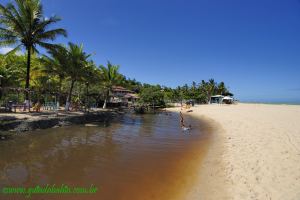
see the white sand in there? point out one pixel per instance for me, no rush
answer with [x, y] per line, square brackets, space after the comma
[255, 153]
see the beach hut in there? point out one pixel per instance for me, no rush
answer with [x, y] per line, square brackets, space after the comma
[227, 100]
[122, 96]
[216, 99]
[220, 99]
[117, 94]
[130, 98]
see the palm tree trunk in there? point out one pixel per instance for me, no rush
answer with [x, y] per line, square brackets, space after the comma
[69, 96]
[104, 105]
[59, 90]
[87, 97]
[106, 99]
[28, 70]
[27, 93]
[59, 94]
[208, 97]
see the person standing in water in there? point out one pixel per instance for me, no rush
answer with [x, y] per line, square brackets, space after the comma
[182, 123]
[181, 119]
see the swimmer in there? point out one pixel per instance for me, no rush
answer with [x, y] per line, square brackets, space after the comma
[186, 128]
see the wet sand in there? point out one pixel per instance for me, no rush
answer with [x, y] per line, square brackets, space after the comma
[254, 153]
[140, 157]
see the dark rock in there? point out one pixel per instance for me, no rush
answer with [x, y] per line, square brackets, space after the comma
[43, 123]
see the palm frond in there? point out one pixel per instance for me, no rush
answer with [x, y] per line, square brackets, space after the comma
[43, 23]
[14, 50]
[7, 42]
[8, 19]
[51, 35]
[48, 45]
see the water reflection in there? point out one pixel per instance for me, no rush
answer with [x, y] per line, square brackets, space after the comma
[136, 157]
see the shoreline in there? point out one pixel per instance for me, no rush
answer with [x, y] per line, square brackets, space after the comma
[13, 123]
[211, 175]
[254, 153]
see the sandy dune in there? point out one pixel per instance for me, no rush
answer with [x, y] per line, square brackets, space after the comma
[254, 153]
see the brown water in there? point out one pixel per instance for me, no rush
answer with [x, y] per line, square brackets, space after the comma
[136, 157]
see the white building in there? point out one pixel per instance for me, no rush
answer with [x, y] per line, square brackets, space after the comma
[219, 99]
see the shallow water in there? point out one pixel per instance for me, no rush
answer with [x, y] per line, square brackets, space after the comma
[135, 157]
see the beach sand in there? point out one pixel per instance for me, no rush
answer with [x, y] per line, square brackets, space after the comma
[254, 153]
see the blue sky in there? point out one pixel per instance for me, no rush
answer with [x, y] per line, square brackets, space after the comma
[251, 45]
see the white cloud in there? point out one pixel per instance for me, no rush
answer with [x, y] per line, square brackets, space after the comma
[4, 50]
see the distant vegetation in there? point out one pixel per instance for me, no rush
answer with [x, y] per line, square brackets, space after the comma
[67, 73]
[197, 92]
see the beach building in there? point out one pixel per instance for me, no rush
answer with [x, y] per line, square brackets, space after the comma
[216, 99]
[122, 95]
[219, 99]
[227, 100]
[130, 98]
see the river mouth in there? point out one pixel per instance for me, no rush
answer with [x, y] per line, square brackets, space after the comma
[135, 157]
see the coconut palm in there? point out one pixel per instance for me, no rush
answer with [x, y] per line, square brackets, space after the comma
[23, 24]
[110, 77]
[72, 62]
[221, 88]
[211, 86]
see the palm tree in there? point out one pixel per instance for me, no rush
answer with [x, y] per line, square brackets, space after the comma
[23, 24]
[211, 85]
[110, 77]
[73, 61]
[221, 88]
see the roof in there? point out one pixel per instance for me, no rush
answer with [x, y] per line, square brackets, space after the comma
[228, 98]
[217, 96]
[135, 96]
[120, 89]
